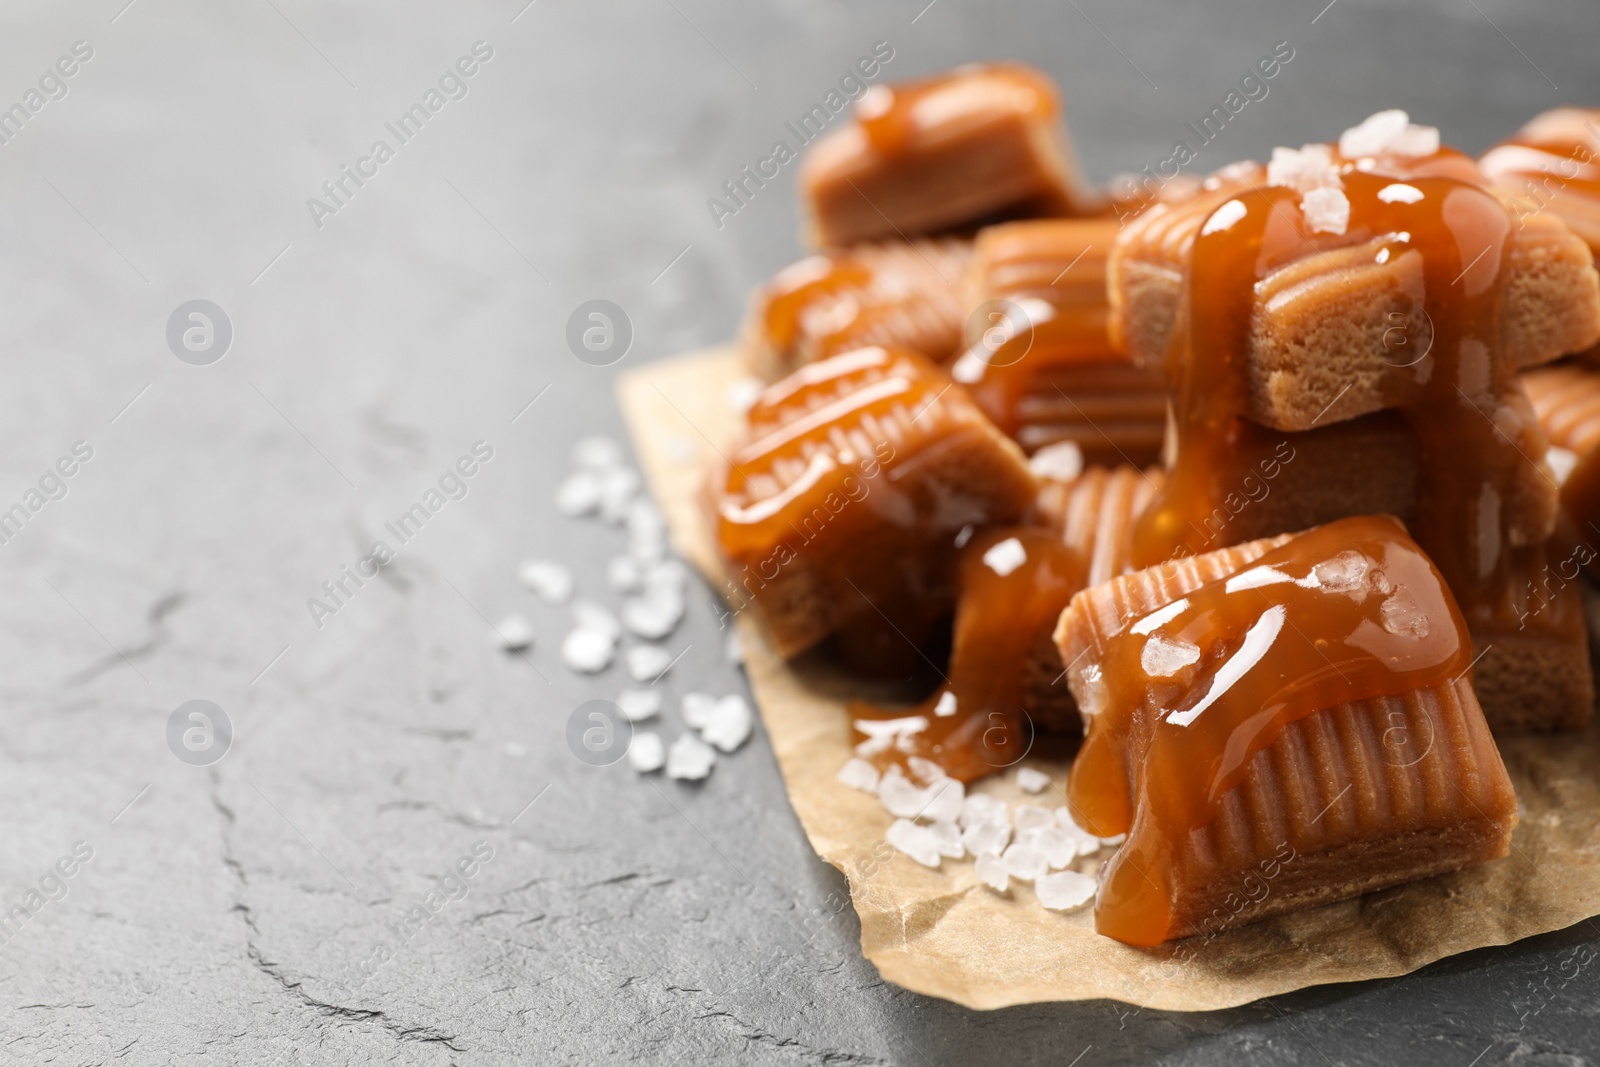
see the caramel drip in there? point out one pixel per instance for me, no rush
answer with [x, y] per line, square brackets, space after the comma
[1182, 698]
[892, 116]
[976, 721]
[801, 286]
[1460, 399]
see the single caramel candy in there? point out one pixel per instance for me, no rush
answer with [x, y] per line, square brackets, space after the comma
[838, 509]
[1553, 163]
[1040, 361]
[897, 294]
[922, 157]
[1276, 726]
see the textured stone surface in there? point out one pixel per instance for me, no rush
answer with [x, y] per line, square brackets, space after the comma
[222, 915]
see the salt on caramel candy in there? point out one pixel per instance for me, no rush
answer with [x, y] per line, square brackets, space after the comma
[1277, 726]
[838, 508]
[921, 157]
[1566, 398]
[1005, 685]
[1042, 363]
[1339, 324]
[897, 294]
[1553, 163]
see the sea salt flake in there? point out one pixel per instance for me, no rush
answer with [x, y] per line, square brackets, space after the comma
[915, 841]
[992, 870]
[948, 839]
[654, 615]
[646, 663]
[617, 488]
[859, 774]
[1033, 817]
[1032, 781]
[1343, 573]
[1060, 848]
[944, 801]
[946, 705]
[883, 734]
[591, 616]
[730, 723]
[689, 757]
[697, 709]
[1326, 210]
[646, 753]
[624, 574]
[1416, 141]
[1064, 890]
[1165, 656]
[1087, 843]
[980, 809]
[514, 633]
[1303, 169]
[597, 451]
[639, 704]
[1006, 556]
[587, 650]
[1024, 862]
[1374, 135]
[925, 771]
[551, 581]
[578, 494]
[1062, 461]
[986, 839]
[1401, 616]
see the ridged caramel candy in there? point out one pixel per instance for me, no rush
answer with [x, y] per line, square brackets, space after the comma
[838, 508]
[1275, 726]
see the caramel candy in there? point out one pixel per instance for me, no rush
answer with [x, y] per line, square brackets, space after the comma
[1553, 162]
[1275, 726]
[921, 157]
[1566, 398]
[897, 294]
[837, 511]
[1043, 366]
[1339, 325]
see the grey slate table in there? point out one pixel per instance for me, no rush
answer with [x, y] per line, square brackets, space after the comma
[239, 912]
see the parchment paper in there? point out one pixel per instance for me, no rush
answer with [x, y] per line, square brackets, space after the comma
[943, 933]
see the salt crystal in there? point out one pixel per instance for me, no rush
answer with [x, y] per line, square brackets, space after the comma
[730, 723]
[1062, 461]
[882, 734]
[617, 488]
[646, 753]
[624, 574]
[986, 839]
[666, 576]
[646, 663]
[652, 616]
[992, 870]
[551, 581]
[980, 809]
[1032, 781]
[733, 649]
[1562, 461]
[1060, 848]
[1033, 817]
[1024, 862]
[925, 771]
[1113, 841]
[1165, 656]
[946, 705]
[1303, 169]
[697, 708]
[1064, 890]
[859, 774]
[639, 704]
[689, 757]
[1006, 556]
[578, 494]
[944, 801]
[743, 393]
[1326, 210]
[948, 839]
[514, 633]
[915, 841]
[588, 650]
[1087, 843]
[1374, 135]
[597, 451]
[901, 798]
[1402, 617]
[1343, 573]
[591, 616]
[1416, 141]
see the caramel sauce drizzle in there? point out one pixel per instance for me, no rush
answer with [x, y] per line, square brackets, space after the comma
[1185, 696]
[1457, 398]
[1563, 144]
[975, 723]
[802, 286]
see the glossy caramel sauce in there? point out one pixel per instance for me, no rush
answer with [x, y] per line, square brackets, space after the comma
[1460, 399]
[976, 722]
[799, 287]
[892, 116]
[1554, 160]
[1182, 698]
